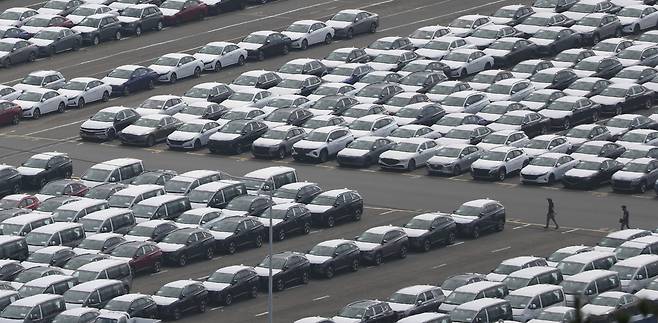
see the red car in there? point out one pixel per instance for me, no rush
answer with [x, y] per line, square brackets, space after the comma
[178, 11]
[69, 187]
[141, 255]
[22, 201]
[10, 112]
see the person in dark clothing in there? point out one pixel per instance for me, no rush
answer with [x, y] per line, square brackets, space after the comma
[550, 215]
[624, 218]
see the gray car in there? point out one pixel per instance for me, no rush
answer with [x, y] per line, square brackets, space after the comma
[453, 159]
[637, 175]
[277, 142]
[15, 50]
[52, 40]
[642, 54]
[348, 23]
[597, 26]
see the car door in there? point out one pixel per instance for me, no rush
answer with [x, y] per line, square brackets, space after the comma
[50, 102]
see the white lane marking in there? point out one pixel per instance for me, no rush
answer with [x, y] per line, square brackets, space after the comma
[159, 272]
[377, 4]
[37, 5]
[55, 127]
[321, 298]
[387, 212]
[569, 231]
[216, 308]
[501, 249]
[316, 231]
[439, 266]
[521, 227]
[203, 278]
[261, 314]
[456, 244]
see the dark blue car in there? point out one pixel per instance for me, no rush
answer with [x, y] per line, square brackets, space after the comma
[129, 78]
[13, 32]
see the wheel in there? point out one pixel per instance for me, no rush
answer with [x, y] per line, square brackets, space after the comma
[138, 31]
[176, 315]
[197, 72]
[648, 104]
[551, 179]
[6, 62]
[106, 96]
[595, 39]
[150, 85]
[357, 215]
[307, 228]
[182, 260]
[241, 60]
[36, 114]
[218, 66]
[32, 57]
[210, 253]
[197, 144]
[324, 156]
[595, 116]
[51, 51]
[156, 267]
[281, 235]
[463, 73]
[304, 45]
[636, 29]
[452, 236]
[228, 299]
[502, 174]
[355, 265]
[96, 40]
[500, 226]
[305, 278]
[159, 26]
[81, 103]
[476, 232]
[254, 292]
[259, 241]
[349, 34]
[643, 188]
[16, 119]
[173, 78]
[76, 46]
[61, 107]
[230, 248]
[260, 55]
[285, 50]
[373, 28]
[237, 148]
[16, 188]
[487, 66]
[202, 306]
[543, 130]
[411, 165]
[329, 272]
[328, 39]
[68, 173]
[177, 21]
[330, 222]
[456, 170]
[566, 124]
[281, 153]
[618, 32]
[279, 285]
[403, 252]
[378, 260]
[552, 49]
[117, 35]
[150, 141]
[42, 182]
[200, 16]
[125, 91]
[427, 245]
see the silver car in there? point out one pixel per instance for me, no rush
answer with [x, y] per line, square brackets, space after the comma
[464, 62]
[16, 50]
[547, 168]
[194, 134]
[453, 159]
[597, 26]
[277, 142]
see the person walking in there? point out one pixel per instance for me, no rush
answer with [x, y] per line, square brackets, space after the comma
[624, 220]
[550, 215]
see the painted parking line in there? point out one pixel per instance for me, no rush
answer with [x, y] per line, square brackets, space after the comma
[159, 272]
[522, 226]
[439, 266]
[501, 249]
[456, 244]
[321, 298]
[203, 278]
[56, 127]
[261, 314]
[569, 231]
[216, 308]
[387, 212]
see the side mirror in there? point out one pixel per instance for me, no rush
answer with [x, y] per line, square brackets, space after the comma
[284, 268]
[532, 306]
[418, 302]
[589, 292]
[234, 281]
[113, 179]
[356, 237]
[384, 241]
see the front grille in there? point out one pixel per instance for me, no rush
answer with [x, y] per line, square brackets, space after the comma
[303, 151]
[622, 184]
[530, 177]
[129, 137]
[176, 142]
[435, 166]
[389, 161]
[258, 150]
[92, 132]
[480, 172]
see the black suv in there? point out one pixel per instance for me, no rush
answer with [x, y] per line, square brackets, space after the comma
[477, 216]
[287, 268]
[225, 141]
[381, 242]
[330, 206]
[229, 283]
[367, 311]
[183, 244]
[10, 180]
[41, 168]
[180, 296]
[287, 218]
[234, 232]
[136, 19]
[330, 256]
[428, 229]
[136, 305]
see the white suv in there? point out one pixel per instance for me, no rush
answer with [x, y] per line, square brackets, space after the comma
[322, 143]
[498, 162]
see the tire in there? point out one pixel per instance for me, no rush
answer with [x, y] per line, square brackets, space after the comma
[68, 173]
[16, 119]
[210, 253]
[566, 124]
[228, 299]
[305, 278]
[217, 67]
[427, 245]
[330, 222]
[96, 40]
[182, 261]
[241, 61]
[125, 91]
[202, 306]
[36, 114]
[285, 50]
[6, 63]
[456, 170]
[349, 34]
[281, 153]
[357, 215]
[648, 104]
[304, 45]
[373, 28]
[237, 148]
[324, 156]
[173, 78]
[279, 285]
[463, 73]
[137, 31]
[619, 109]
[197, 145]
[551, 180]
[618, 33]
[117, 35]
[411, 165]
[596, 39]
[150, 85]
[595, 116]
[156, 267]
[31, 57]
[452, 236]
[403, 252]
[500, 226]
[378, 260]
[16, 189]
[42, 182]
[355, 265]
[197, 72]
[254, 292]
[260, 56]
[81, 103]
[502, 174]
[258, 242]
[487, 66]
[230, 248]
[636, 29]
[61, 107]
[306, 229]
[328, 39]
[150, 141]
[643, 188]
[281, 235]
[159, 26]
[106, 96]
[476, 232]
[543, 130]
[329, 272]
[76, 46]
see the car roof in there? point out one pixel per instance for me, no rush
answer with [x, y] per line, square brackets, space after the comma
[335, 193]
[328, 129]
[93, 285]
[531, 272]
[383, 229]
[534, 290]
[34, 300]
[160, 199]
[196, 174]
[49, 250]
[101, 265]
[48, 280]
[79, 311]
[263, 32]
[130, 297]
[117, 162]
[135, 190]
[637, 261]
[588, 256]
[479, 202]
[480, 303]
[334, 242]
[103, 236]
[155, 223]
[81, 204]
[56, 227]
[181, 283]
[267, 172]
[416, 289]
[625, 234]
[233, 269]
[519, 260]
[27, 218]
[107, 213]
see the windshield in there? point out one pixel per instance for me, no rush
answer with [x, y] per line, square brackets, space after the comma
[380, 44]
[30, 96]
[314, 124]
[209, 49]
[167, 291]
[485, 33]
[130, 12]
[292, 68]
[415, 79]
[614, 92]
[54, 188]
[91, 244]
[276, 263]
[38, 239]
[422, 34]
[462, 315]
[144, 211]
[630, 54]
[177, 237]
[89, 22]
[458, 298]
[582, 85]
[589, 21]
[508, 45]
[494, 155]
[176, 5]
[587, 66]
[635, 167]
[453, 283]
[543, 77]
[247, 81]
[122, 201]
[459, 134]
[187, 218]
[418, 224]
[524, 68]
[85, 275]
[588, 165]
[548, 34]
[468, 210]
[536, 21]
[103, 116]
[317, 136]
[543, 161]
[274, 213]
[558, 256]
[518, 301]
[298, 28]
[196, 92]
[50, 205]
[633, 137]
[225, 226]
[47, 34]
[454, 101]
[589, 149]
[120, 73]
[153, 104]
[281, 115]
[291, 84]
[461, 23]
[387, 59]
[406, 147]
[499, 89]
[495, 139]
[11, 15]
[403, 298]
[342, 16]
[564, 106]
[141, 231]
[125, 251]
[275, 134]
[570, 268]
[516, 282]
[148, 123]
[75, 296]
[231, 127]
[370, 237]
[337, 56]
[361, 125]
[97, 175]
[634, 153]
[44, 22]
[91, 225]
[583, 8]
[255, 39]
[326, 90]
[117, 305]
[352, 312]
[78, 261]
[287, 193]
[626, 252]
[324, 200]
[403, 133]
[619, 123]
[323, 251]
[176, 186]
[457, 57]
[506, 269]
[606, 301]
[16, 312]
[572, 287]
[629, 73]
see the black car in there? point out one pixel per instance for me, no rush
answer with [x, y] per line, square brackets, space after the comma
[261, 44]
[41, 168]
[10, 213]
[597, 66]
[51, 256]
[229, 283]
[236, 136]
[247, 205]
[259, 79]
[532, 123]
[9, 269]
[226, 5]
[80, 260]
[587, 87]
[382, 242]
[381, 92]
[157, 177]
[336, 205]
[129, 78]
[158, 127]
[152, 231]
[364, 151]
[333, 103]
[287, 268]
[477, 216]
[99, 27]
[591, 173]
[180, 296]
[289, 116]
[568, 111]
[422, 113]
[299, 192]
[367, 311]
[554, 78]
[136, 305]
[598, 148]
[136, 19]
[181, 245]
[105, 190]
[512, 15]
[13, 32]
[348, 23]
[627, 122]
[453, 282]
[508, 51]
[204, 110]
[52, 40]
[330, 256]
[36, 272]
[307, 66]
[10, 180]
[552, 40]
[233, 232]
[422, 81]
[212, 92]
[287, 218]
[624, 97]
[429, 229]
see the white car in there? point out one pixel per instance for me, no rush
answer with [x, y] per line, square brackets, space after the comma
[38, 22]
[41, 79]
[464, 62]
[296, 84]
[330, 88]
[248, 113]
[322, 143]
[408, 154]
[526, 69]
[208, 91]
[637, 18]
[161, 104]
[384, 44]
[440, 47]
[482, 80]
[440, 91]
[547, 168]
[16, 16]
[571, 57]
[486, 35]
[377, 77]
[344, 55]
[465, 101]
[466, 25]
[494, 110]
[82, 90]
[464, 134]
[217, 55]
[245, 97]
[636, 54]
[639, 137]
[545, 144]
[509, 137]
[304, 33]
[499, 162]
[8, 93]
[193, 134]
[421, 36]
[172, 67]
[510, 90]
[201, 110]
[586, 86]
[37, 102]
[373, 125]
[119, 5]
[413, 131]
[453, 159]
[584, 7]
[87, 10]
[611, 46]
[538, 21]
[392, 60]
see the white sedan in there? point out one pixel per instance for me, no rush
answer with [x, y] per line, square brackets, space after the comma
[172, 67]
[547, 168]
[499, 162]
[637, 18]
[464, 61]
[304, 33]
[36, 102]
[193, 134]
[408, 154]
[82, 90]
[217, 55]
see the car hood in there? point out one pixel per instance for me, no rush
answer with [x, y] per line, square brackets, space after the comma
[534, 152]
[399, 307]
[403, 121]
[266, 221]
[621, 80]
[460, 32]
[331, 64]
[264, 272]
[83, 251]
[625, 62]
[160, 69]
[220, 136]
[164, 301]
[351, 152]
[536, 170]
[382, 66]
[169, 12]
[540, 85]
[498, 97]
[431, 53]
[441, 129]
[583, 29]
[335, 78]
[7, 22]
[573, 92]
[366, 246]
[41, 42]
[135, 238]
[463, 219]
[555, 114]
[182, 136]
[528, 29]
[583, 73]
[447, 141]
[280, 200]
[606, 100]
[495, 277]
[29, 171]
[125, 19]
[205, 57]
[414, 233]
[26, 104]
[361, 133]
[590, 309]
[487, 146]
[337, 24]
[249, 46]
[410, 88]
[436, 97]
[84, 29]
[400, 155]
[305, 144]
[267, 142]
[454, 64]
[317, 259]
[496, 52]
[215, 287]
[479, 42]
[185, 117]
[647, 294]
[580, 173]
[490, 117]
[339, 319]
[627, 176]
[487, 164]
[453, 108]
[70, 93]
[114, 80]
[283, 90]
[32, 30]
[170, 247]
[293, 35]
[574, 15]
[29, 264]
[501, 126]
[501, 21]
[314, 208]
[615, 131]
[137, 130]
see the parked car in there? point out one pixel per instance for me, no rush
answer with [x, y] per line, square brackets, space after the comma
[180, 296]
